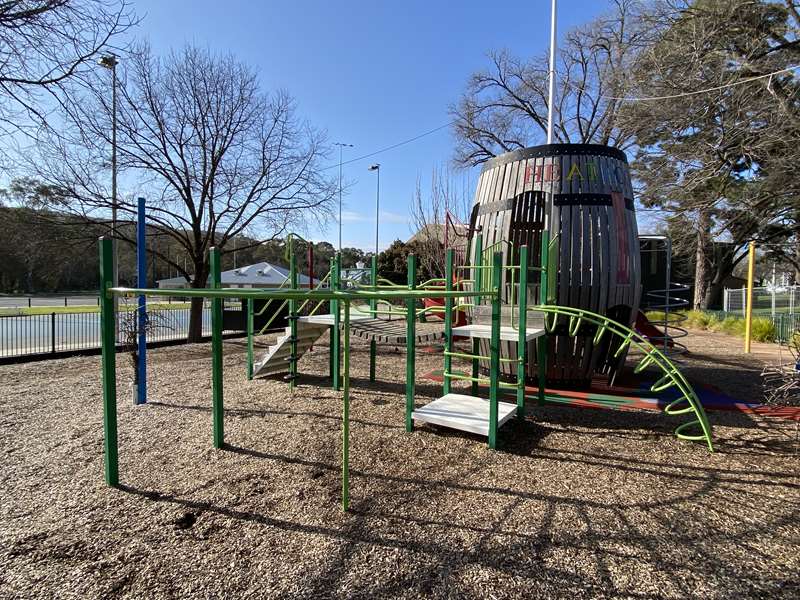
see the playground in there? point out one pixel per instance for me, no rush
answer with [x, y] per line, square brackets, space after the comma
[497, 430]
[585, 502]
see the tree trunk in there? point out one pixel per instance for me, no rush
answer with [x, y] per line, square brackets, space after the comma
[722, 268]
[797, 256]
[200, 279]
[701, 270]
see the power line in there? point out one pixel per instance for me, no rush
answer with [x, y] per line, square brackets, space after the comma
[713, 89]
[392, 147]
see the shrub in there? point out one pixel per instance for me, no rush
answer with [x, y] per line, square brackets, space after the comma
[762, 330]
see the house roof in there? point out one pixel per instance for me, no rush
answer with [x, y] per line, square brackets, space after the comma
[261, 274]
[436, 231]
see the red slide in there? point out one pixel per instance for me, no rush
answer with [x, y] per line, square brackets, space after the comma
[460, 315]
[645, 328]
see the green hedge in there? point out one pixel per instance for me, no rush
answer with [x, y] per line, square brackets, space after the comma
[763, 328]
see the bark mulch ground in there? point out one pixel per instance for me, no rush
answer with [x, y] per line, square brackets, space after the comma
[576, 503]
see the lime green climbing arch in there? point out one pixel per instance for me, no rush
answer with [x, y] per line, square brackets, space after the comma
[698, 429]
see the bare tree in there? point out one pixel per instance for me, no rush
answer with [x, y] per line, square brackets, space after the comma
[215, 157]
[504, 107]
[44, 44]
[438, 217]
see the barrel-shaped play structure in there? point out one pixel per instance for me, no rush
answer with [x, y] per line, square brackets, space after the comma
[582, 195]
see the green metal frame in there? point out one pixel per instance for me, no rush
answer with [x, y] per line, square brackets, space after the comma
[495, 293]
[544, 286]
[109, 362]
[217, 410]
[373, 304]
[688, 402]
[410, 342]
[494, 347]
[336, 346]
[293, 315]
[522, 341]
[448, 321]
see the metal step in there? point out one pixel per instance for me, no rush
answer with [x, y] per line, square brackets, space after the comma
[463, 412]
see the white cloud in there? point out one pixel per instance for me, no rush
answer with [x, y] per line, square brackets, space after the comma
[391, 217]
[349, 216]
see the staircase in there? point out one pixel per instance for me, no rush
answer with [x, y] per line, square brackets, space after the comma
[276, 360]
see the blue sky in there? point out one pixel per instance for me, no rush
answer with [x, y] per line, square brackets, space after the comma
[370, 73]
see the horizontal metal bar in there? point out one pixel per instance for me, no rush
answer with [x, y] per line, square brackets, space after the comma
[290, 294]
[478, 357]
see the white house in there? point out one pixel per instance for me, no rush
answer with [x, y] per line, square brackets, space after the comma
[259, 275]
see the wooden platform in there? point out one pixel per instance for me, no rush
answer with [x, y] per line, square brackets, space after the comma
[462, 412]
[484, 332]
[394, 332]
[383, 330]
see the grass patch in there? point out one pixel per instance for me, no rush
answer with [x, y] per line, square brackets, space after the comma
[46, 310]
[762, 329]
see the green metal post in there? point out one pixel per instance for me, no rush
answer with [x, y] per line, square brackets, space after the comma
[292, 321]
[336, 332]
[478, 262]
[476, 278]
[330, 342]
[373, 346]
[346, 412]
[522, 343]
[476, 349]
[494, 348]
[410, 341]
[107, 333]
[541, 342]
[216, 353]
[250, 338]
[448, 321]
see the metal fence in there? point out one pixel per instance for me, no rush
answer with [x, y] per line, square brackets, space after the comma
[772, 300]
[33, 301]
[23, 335]
[785, 324]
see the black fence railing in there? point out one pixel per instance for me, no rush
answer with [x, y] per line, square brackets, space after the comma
[23, 335]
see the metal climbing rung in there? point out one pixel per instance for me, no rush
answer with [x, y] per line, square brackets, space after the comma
[465, 377]
[645, 362]
[574, 325]
[667, 381]
[685, 436]
[601, 331]
[547, 324]
[624, 344]
[478, 356]
[679, 411]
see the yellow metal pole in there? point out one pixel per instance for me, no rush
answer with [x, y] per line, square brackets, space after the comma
[748, 316]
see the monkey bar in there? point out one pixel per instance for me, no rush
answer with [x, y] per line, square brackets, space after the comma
[473, 414]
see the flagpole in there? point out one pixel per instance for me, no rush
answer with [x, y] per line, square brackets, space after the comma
[551, 92]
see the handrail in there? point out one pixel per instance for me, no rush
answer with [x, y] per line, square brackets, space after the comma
[268, 302]
[285, 302]
[272, 318]
[316, 287]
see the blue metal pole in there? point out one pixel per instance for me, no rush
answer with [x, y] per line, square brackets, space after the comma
[141, 270]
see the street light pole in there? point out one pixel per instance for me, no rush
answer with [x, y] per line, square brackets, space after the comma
[341, 145]
[377, 168]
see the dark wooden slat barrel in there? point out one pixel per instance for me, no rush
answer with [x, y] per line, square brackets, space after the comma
[582, 194]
